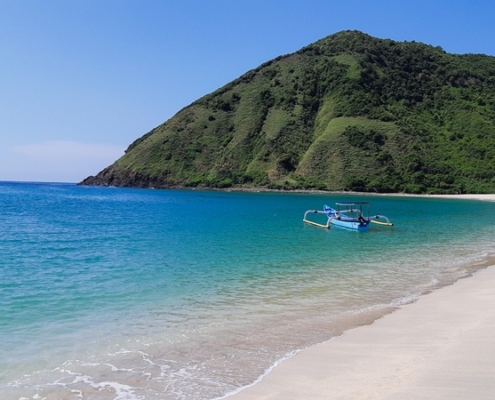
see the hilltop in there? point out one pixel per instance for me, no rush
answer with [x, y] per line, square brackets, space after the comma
[348, 112]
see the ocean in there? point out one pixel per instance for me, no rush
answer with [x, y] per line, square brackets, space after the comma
[119, 293]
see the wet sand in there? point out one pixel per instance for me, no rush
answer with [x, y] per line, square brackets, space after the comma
[440, 347]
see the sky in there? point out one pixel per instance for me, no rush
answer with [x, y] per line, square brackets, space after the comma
[80, 80]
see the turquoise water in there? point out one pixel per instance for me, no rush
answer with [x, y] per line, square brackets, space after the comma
[110, 293]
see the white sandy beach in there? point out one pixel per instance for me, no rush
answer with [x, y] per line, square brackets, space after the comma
[440, 347]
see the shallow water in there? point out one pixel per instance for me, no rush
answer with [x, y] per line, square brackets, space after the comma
[113, 293]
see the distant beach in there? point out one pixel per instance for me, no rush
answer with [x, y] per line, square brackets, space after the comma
[484, 197]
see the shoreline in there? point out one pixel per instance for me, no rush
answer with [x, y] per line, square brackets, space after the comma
[483, 197]
[435, 348]
[468, 196]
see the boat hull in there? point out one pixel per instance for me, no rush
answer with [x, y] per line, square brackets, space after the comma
[354, 225]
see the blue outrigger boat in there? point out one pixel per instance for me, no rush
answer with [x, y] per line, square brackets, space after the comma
[350, 215]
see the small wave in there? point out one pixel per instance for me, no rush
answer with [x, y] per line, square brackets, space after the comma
[262, 376]
[404, 300]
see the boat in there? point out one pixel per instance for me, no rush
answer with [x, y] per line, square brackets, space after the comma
[349, 215]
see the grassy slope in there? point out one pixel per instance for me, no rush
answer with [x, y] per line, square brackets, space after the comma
[348, 112]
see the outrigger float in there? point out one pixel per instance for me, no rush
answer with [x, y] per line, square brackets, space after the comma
[350, 215]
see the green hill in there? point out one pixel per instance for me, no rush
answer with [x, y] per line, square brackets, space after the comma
[349, 112]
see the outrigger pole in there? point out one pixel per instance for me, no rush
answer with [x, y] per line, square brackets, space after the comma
[386, 223]
[327, 226]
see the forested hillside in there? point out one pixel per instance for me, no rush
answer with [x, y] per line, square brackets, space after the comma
[349, 112]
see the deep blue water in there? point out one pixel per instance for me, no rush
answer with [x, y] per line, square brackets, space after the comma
[110, 293]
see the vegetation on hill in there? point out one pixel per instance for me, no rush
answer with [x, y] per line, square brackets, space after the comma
[349, 112]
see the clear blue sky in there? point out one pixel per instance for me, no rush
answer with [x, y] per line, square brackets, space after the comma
[82, 79]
